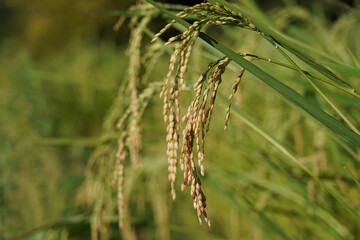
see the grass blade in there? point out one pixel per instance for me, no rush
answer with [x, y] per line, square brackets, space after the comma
[337, 110]
[256, 127]
[288, 44]
[284, 90]
[243, 210]
[289, 194]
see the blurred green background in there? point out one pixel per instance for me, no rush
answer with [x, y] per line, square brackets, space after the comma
[61, 65]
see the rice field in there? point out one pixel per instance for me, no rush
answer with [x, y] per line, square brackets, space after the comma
[213, 121]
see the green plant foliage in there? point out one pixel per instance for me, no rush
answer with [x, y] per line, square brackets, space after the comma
[85, 152]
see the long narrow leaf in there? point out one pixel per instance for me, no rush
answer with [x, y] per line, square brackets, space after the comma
[286, 193]
[284, 90]
[288, 44]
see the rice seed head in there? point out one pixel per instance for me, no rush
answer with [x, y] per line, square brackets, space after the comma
[164, 29]
[198, 115]
[234, 90]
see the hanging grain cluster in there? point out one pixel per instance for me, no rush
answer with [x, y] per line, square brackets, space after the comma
[198, 116]
[121, 139]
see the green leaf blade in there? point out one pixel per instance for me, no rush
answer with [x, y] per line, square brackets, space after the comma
[278, 86]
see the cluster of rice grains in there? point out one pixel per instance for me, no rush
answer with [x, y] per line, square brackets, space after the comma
[198, 116]
[105, 170]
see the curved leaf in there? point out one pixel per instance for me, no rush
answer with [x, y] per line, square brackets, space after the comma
[284, 90]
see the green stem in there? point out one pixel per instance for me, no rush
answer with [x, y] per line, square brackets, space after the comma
[297, 68]
[323, 79]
